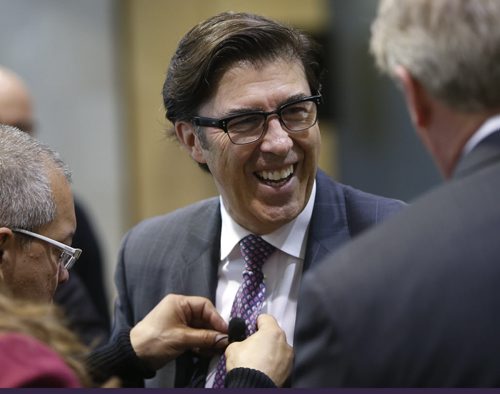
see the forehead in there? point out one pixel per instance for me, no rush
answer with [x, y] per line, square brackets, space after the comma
[267, 83]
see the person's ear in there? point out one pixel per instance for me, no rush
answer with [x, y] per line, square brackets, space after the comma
[416, 97]
[6, 244]
[6, 237]
[186, 134]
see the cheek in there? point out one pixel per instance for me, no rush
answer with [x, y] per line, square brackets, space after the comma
[312, 141]
[310, 145]
[223, 157]
[49, 268]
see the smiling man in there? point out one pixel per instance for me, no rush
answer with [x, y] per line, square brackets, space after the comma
[242, 93]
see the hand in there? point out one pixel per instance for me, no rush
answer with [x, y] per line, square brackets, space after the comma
[266, 351]
[176, 324]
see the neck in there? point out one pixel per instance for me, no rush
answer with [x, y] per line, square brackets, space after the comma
[447, 134]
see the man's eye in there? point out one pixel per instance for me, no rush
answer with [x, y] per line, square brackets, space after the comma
[298, 111]
[245, 123]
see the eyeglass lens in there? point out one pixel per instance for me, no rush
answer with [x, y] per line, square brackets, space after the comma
[248, 128]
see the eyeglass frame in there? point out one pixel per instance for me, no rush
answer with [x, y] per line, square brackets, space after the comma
[73, 252]
[222, 122]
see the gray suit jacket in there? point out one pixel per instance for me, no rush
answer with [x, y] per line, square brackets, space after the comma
[180, 253]
[416, 301]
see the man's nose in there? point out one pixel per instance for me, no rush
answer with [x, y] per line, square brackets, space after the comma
[276, 139]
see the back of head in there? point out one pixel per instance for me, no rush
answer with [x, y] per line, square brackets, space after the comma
[16, 108]
[451, 46]
[26, 199]
[210, 48]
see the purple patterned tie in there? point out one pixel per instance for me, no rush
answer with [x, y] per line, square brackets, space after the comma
[251, 294]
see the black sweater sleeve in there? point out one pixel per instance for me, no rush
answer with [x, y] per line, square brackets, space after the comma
[118, 358]
[247, 377]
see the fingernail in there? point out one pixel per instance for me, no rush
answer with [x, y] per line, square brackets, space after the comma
[219, 337]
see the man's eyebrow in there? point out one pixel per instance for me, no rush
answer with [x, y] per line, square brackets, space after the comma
[241, 111]
[247, 110]
[293, 98]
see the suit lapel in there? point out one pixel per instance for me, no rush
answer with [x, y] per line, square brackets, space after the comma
[485, 153]
[329, 227]
[199, 277]
[201, 257]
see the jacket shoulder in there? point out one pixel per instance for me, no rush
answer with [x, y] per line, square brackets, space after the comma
[362, 209]
[177, 223]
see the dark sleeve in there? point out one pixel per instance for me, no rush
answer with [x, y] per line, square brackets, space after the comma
[74, 300]
[118, 358]
[90, 265]
[247, 377]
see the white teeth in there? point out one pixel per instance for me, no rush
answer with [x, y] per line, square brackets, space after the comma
[276, 175]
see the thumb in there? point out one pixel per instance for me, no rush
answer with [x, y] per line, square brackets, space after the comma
[266, 321]
[204, 338]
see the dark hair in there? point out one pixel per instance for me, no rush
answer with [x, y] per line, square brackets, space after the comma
[212, 47]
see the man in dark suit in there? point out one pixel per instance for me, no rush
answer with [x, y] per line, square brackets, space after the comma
[415, 301]
[242, 93]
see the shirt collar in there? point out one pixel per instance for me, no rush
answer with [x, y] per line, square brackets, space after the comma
[289, 238]
[490, 126]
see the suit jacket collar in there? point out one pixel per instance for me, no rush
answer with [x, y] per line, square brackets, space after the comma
[485, 153]
[201, 263]
[328, 229]
[201, 256]
[329, 226]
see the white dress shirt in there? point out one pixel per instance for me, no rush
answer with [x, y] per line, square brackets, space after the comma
[282, 270]
[490, 126]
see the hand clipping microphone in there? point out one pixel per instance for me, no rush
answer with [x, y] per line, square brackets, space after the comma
[237, 330]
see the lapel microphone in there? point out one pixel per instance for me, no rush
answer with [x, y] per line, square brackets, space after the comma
[236, 330]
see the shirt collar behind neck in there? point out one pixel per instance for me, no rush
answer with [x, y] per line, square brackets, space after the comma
[488, 127]
[289, 238]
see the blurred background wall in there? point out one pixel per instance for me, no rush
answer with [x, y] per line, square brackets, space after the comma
[96, 69]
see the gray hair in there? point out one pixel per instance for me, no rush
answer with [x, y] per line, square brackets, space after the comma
[452, 47]
[26, 199]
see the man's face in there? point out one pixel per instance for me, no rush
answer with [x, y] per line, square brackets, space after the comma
[242, 172]
[34, 271]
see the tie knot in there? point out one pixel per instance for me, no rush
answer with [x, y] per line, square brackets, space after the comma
[255, 251]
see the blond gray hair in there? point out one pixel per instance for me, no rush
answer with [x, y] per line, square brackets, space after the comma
[452, 47]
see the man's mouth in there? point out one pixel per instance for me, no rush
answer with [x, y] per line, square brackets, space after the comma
[276, 177]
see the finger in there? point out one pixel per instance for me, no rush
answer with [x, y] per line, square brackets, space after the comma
[203, 311]
[199, 312]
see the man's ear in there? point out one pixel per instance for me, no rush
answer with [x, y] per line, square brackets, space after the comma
[6, 237]
[416, 97]
[6, 245]
[186, 134]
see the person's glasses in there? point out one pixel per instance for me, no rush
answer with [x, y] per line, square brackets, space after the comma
[249, 127]
[68, 255]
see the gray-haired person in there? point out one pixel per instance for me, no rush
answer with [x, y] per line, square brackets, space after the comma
[37, 217]
[415, 301]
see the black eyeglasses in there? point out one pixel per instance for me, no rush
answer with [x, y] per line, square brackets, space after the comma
[68, 255]
[246, 128]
